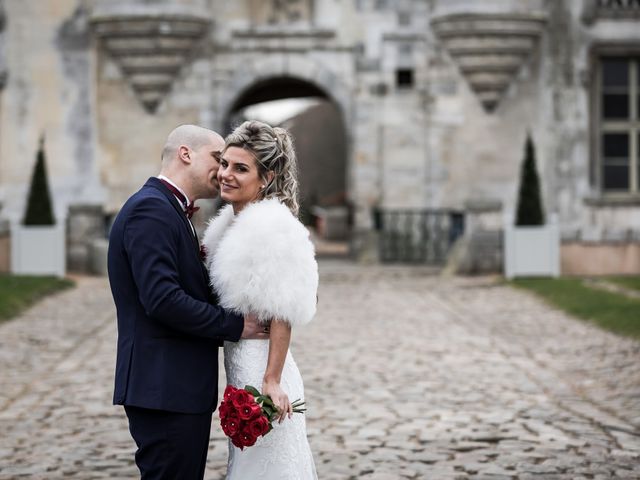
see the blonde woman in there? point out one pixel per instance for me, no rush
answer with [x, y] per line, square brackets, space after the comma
[262, 262]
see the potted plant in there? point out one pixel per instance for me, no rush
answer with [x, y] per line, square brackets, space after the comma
[532, 247]
[38, 243]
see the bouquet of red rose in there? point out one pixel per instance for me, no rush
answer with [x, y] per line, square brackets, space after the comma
[246, 414]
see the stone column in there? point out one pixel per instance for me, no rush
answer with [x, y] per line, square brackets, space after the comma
[85, 226]
[480, 249]
[5, 245]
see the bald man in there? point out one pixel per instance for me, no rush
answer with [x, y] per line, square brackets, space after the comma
[169, 323]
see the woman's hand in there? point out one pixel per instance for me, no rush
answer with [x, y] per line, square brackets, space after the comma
[279, 397]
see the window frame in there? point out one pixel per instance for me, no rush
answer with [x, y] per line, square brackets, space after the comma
[599, 126]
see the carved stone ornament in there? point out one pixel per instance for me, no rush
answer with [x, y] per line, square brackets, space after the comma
[594, 10]
[489, 48]
[150, 43]
[280, 12]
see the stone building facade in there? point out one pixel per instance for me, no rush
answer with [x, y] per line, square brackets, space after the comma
[437, 97]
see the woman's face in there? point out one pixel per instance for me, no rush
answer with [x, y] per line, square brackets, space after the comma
[238, 176]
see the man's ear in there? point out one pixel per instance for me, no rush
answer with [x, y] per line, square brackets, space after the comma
[184, 154]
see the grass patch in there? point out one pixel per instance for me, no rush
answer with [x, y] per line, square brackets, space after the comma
[18, 292]
[611, 311]
[632, 282]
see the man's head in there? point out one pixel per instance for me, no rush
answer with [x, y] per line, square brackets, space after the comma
[190, 158]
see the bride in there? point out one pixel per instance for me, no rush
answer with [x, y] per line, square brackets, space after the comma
[261, 261]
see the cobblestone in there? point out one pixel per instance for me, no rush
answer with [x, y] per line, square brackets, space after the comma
[407, 375]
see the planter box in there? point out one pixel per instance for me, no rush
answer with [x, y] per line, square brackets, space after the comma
[332, 222]
[532, 251]
[38, 250]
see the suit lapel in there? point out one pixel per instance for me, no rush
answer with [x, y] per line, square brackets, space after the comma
[156, 183]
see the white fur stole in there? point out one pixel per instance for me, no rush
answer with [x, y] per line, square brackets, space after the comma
[262, 261]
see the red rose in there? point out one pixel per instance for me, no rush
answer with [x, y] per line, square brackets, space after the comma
[256, 411]
[239, 398]
[223, 409]
[227, 410]
[225, 427]
[228, 392]
[250, 410]
[247, 438]
[237, 441]
[230, 426]
[259, 426]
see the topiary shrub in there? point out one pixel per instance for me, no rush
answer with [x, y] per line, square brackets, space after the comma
[530, 211]
[39, 209]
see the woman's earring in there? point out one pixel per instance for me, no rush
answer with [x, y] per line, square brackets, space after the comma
[261, 186]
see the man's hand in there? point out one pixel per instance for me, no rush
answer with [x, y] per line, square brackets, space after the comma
[253, 330]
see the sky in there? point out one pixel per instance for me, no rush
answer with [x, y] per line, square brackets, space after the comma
[276, 112]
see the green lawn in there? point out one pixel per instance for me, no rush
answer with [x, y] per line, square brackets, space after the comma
[631, 281]
[612, 311]
[19, 292]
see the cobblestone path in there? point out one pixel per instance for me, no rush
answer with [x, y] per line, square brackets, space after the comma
[407, 376]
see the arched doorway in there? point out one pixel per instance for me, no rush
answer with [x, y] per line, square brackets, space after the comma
[317, 124]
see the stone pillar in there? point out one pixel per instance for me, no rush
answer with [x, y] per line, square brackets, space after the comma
[480, 249]
[85, 225]
[5, 245]
[3, 60]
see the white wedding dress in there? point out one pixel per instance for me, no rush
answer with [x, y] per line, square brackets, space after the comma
[284, 453]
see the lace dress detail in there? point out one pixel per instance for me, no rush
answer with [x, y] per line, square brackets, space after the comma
[284, 453]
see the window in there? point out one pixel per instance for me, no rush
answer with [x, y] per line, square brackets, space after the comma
[619, 124]
[404, 78]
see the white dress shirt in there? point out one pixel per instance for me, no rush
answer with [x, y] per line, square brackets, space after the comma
[168, 180]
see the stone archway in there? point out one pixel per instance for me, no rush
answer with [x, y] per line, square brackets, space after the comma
[274, 88]
[311, 73]
[322, 134]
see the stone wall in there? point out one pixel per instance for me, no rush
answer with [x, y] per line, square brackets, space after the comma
[611, 258]
[49, 91]
[436, 96]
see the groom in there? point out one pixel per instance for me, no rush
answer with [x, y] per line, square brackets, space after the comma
[169, 326]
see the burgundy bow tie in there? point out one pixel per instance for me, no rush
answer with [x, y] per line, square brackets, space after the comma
[189, 210]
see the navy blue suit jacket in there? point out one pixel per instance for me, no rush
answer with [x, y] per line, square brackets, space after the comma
[169, 327]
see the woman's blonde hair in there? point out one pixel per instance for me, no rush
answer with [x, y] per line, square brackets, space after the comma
[273, 149]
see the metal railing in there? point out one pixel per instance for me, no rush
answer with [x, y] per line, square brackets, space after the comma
[417, 235]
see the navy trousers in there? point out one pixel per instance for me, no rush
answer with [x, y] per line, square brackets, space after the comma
[170, 445]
